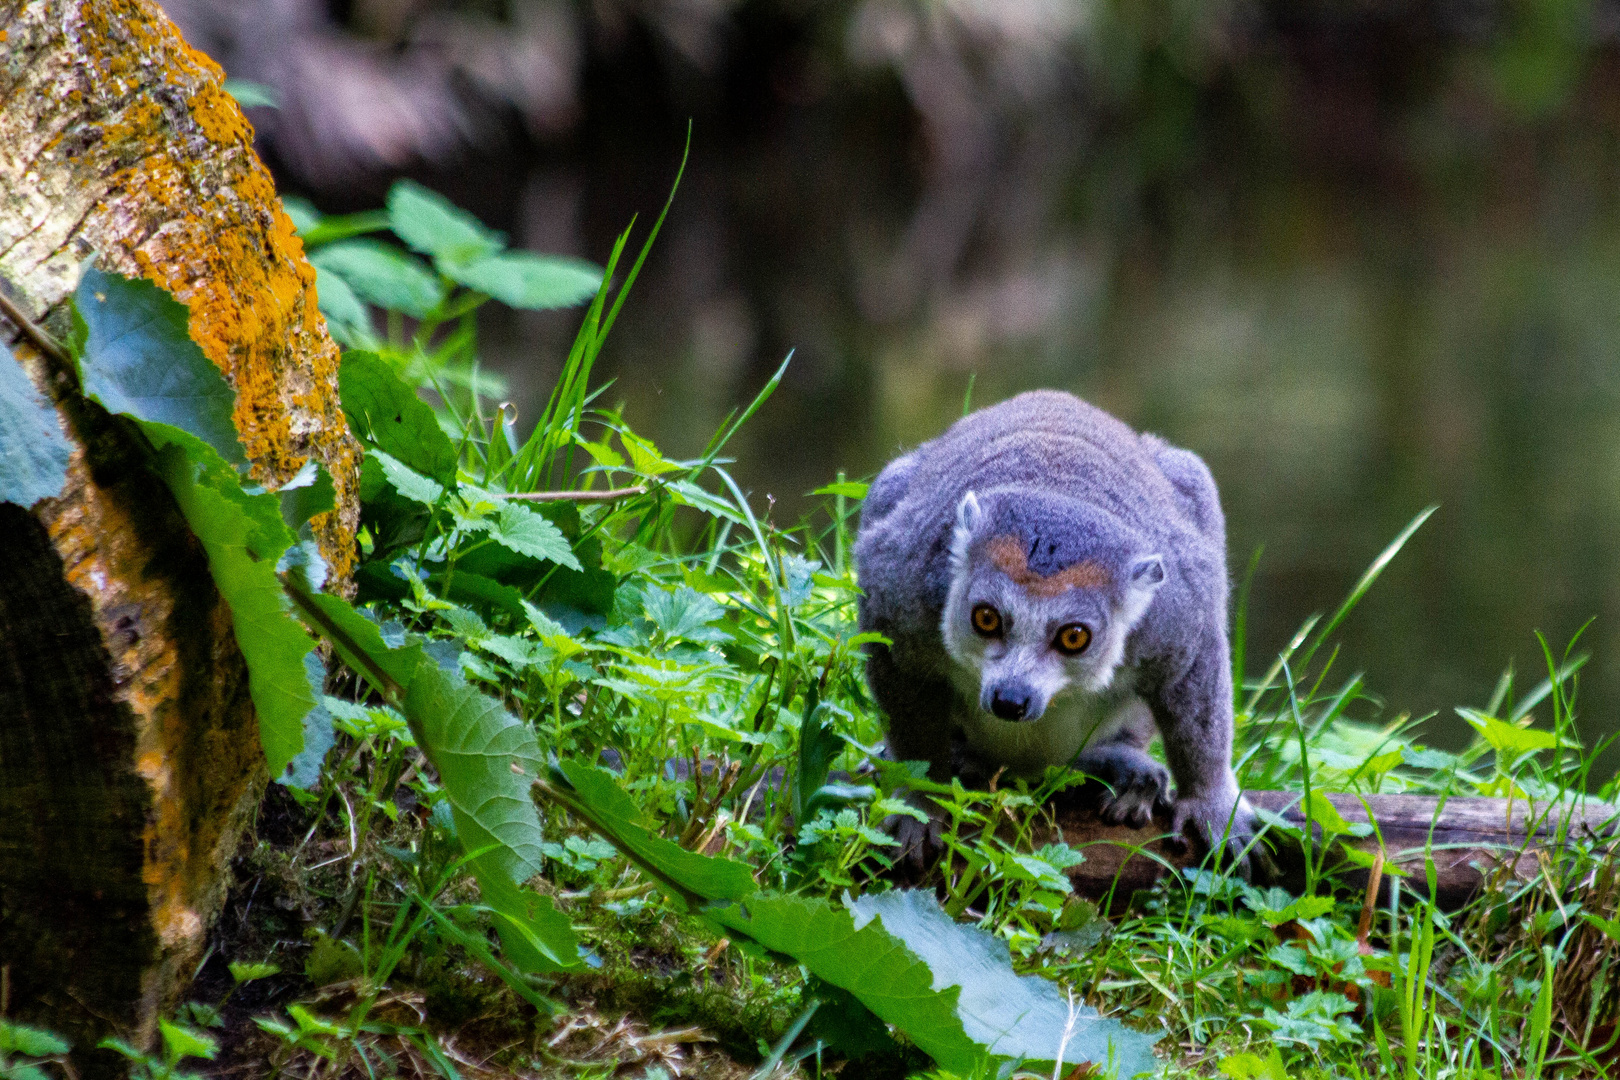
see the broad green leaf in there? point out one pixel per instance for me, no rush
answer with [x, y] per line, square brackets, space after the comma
[612, 813]
[1013, 1015]
[308, 493]
[522, 530]
[304, 770]
[1509, 740]
[865, 959]
[1254, 1067]
[346, 316]
[486, 759]
[386, 412]
[34, 465]
[431, 224]
[381, 275]
[644, 456]
[683, 613]
[138, 359]
[1323, 814]
[242, 971]
[19, 1039]
[243, 537]
[250, 94]
[407, 482]
[183, 1042]
[522, 279]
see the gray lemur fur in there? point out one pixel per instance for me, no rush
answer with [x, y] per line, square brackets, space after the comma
[1054, 513]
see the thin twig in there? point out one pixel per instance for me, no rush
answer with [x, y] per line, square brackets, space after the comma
[581, 496]
[32, 330]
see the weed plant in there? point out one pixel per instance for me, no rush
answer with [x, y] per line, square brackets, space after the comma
[666, 625]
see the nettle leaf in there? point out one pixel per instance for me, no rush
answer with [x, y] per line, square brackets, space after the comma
[486, 759]
[612, 813]
[431, 224]
[644, 456]
[382, 275]
[34, 466]
[1014, 1015]
[138, 358]
[243, 536]
[386, 412]
[409, 483]
[520, 529]
[1510, 741]
[522, 279]
[19, 1039]
[683, 613]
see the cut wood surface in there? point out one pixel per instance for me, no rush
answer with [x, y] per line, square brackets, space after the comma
[1469, 839]
[129, 750]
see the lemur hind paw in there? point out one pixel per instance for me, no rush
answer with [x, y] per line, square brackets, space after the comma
[1227, 825]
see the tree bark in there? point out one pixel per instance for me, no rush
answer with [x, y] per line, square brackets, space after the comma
[1471, 840]
[129, 750]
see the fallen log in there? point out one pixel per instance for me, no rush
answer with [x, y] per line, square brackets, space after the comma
[1471, 841]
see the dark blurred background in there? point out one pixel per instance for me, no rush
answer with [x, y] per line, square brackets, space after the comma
[1360, 256]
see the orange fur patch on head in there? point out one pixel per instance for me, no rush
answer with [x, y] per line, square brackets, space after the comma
[1008, 556]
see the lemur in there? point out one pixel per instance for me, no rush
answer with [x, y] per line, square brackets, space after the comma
[1053, 586]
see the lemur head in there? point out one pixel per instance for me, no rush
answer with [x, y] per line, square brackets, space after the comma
[1044, 592]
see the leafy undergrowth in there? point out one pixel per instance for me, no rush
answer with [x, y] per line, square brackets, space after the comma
[587, 786]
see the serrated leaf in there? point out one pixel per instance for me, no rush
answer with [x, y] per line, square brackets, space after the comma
[522, 279]
[243, 537]
[644, 456]
[386, 412]
[619, 820]
[1013, 1015]
[382, 275]
[20, 1039]
[409, 483]
[431, 224]
[139, 359]
[1509, 740]
[486, 759]
[520, 529]
[683, 613]
[34, 465]
[304, 770]
[183, 1042]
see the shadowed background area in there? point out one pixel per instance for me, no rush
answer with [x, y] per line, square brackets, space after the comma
[1361, 257]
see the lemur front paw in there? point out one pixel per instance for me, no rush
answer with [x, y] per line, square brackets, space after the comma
[1226, 823]
[1138, 785]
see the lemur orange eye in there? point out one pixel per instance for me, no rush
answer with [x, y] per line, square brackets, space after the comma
[986, 620]
[1072, 639]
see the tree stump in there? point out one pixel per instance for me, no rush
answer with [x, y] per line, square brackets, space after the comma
[129, 748]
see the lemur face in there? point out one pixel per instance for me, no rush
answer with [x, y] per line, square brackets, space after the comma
[1031, 636]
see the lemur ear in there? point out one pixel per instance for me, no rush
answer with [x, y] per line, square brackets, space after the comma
[968, 516]
[968, 512]
[1147, 573]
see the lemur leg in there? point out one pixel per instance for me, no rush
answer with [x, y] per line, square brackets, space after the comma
[1194, 712]
[1117, 755]
[919, 729]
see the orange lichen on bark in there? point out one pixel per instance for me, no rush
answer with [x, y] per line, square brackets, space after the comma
[187, 204]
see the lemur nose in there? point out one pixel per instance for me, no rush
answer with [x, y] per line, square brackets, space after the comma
[1010, 704]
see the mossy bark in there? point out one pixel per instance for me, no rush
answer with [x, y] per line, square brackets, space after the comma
[129, 752]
